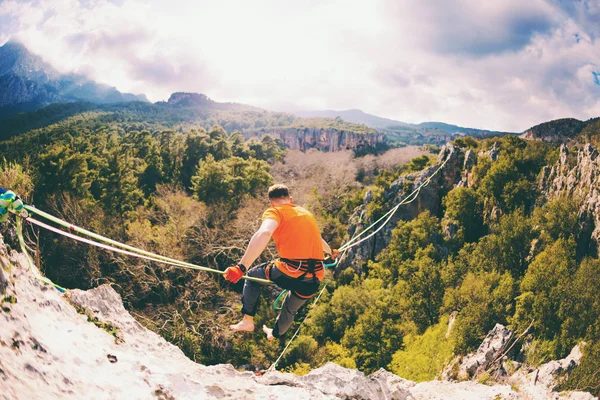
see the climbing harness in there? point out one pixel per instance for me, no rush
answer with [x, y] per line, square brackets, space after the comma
[122, 248]
[278, 303]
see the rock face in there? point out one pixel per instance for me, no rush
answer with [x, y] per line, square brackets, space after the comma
[429, 198]
[327, 140]
[28, 83]
[489, 350]
[539, 384]
[582, 182]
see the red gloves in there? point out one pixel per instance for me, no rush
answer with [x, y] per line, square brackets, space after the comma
[335, 254]
[235, 273]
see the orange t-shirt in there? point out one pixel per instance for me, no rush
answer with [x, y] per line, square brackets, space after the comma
[297, 236]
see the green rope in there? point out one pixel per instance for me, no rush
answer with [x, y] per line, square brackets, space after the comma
[278, 303]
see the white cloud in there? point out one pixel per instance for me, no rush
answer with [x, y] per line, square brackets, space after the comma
[502, 65]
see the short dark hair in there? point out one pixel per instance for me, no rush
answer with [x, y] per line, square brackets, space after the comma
[278, 191]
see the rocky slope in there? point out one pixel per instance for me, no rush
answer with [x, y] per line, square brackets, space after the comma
[27, 83]
[576, 175]
[84, 344]
[428, 199]
[563, 130]
[49, 349]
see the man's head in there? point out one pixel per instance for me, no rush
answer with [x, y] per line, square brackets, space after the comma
[279, 194]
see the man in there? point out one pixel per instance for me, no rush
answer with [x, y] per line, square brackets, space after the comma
[299, 268]
[10, 202]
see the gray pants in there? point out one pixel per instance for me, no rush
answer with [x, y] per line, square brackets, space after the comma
[290, 307]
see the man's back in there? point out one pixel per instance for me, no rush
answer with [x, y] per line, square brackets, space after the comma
[297, 236]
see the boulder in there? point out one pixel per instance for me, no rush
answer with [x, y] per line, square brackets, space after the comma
[492, 346]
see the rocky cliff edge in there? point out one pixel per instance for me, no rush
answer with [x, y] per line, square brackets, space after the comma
[84, 344]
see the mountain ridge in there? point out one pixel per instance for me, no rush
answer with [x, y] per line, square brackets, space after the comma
[374, 121]
[563, 130]
[28, 83]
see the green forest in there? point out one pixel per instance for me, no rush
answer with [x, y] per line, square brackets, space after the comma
[196, 193]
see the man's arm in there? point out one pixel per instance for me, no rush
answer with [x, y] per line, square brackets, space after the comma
[326, 248]
[259, 241]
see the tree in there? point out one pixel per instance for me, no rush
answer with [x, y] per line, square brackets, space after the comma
[463, 207]
[15, 178]
[197, 147]
[239, 148]
[377, 333]
[507, 248]
[120, 185]
[146, 148]
[407, 239]
[423, 356]
[482, 300]
[212, 182]
[557, 219]
[426, 291]
[544, 288]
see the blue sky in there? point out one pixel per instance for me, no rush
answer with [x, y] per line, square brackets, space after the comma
[503, 65]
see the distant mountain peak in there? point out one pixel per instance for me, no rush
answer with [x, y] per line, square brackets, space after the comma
[15, 58]
[28, 83]
[189, 99]
[14, 45]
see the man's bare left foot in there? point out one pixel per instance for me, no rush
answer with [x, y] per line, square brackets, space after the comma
[244, 325]
[268, 332]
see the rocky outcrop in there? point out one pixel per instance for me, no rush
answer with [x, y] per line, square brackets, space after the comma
[323, 139]
[578, 178]
[495, 360]
[489, 350]
[429, 198]
[183, 99]
[540, 383]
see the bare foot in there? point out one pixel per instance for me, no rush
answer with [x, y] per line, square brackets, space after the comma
[269, 332]
[245, 325]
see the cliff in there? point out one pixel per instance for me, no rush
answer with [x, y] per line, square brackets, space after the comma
[576, 175]
[429, 198]
[84, 344]
[323, 139]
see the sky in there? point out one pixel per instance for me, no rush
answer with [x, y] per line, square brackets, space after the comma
[500, 65]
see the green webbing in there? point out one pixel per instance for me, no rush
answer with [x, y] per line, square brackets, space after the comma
[278, 303]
